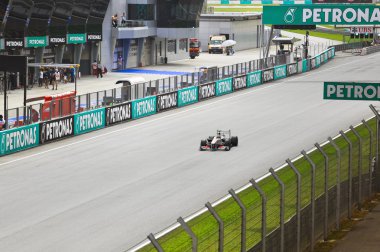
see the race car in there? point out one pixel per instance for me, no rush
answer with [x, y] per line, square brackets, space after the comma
[222, 141]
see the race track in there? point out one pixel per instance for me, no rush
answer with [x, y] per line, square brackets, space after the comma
[107, 190]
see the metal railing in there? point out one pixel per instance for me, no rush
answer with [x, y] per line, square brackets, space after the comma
[289, 208]
[56, 108]
[350, 46]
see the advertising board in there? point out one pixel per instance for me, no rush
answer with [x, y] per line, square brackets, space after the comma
[206, 91]
[279, 72]
[187, 96]
[224, 87]
[291, 69]
[118, 113]
[268, 75]
[240, 82]
[351, 91]
[18, 139]
[144, 107]
[56, 129]
[89, 121]
[167, 101]
[254, 79]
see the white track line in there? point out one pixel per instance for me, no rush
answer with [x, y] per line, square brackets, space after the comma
[180, 112]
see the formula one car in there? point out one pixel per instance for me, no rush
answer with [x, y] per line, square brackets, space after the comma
[222, 141]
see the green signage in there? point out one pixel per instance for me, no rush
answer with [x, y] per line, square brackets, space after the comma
[279, 72]
[19, 139]
[351, 91]
[187, 96]
[317, 60]
[78, 38]
[89, 121]
[36, 41]
[266, 1]
[288, 1]
[304, 65]
[336, 14]
[223, 86]
[225, 1]
[1, 44]
[254, 79]
[245, 1]
[144, 107]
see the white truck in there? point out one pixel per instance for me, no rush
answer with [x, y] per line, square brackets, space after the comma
[215, 44]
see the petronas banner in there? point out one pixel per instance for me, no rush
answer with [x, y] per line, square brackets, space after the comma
[322, 14]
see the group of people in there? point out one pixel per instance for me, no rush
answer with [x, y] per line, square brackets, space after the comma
[51, 76]
[98, 69]
[115, 20]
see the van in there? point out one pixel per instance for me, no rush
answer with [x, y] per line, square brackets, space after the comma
[215, 44]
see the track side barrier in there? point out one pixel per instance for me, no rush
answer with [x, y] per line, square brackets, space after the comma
[84, 122]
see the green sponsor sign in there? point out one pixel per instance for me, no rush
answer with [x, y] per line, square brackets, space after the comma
[254, 79]
[223, 86]
[336, 14]
[144, 107]
[225, 1]
[288, 1]
[267, 1]
[79, 38]
[89, 121]
[279, 72]
[187, 96]
[36, 41]
[304, 65]
[317, 60]
[19, 139]
[245, 1]
[351, 91]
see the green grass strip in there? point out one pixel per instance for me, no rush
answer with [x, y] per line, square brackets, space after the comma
[207, 230]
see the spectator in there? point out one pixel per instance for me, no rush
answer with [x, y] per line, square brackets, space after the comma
[2, 123]
[40, 80]
[124, 19]
[57, 79]
[114, 21]
[99, 70]
[94, 67]
[72, 74]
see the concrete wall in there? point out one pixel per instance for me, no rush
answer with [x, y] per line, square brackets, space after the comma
[108, 44]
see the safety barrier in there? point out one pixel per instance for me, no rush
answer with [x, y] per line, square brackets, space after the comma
[84, 121]
[370, 49]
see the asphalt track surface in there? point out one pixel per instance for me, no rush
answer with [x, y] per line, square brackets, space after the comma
[107, 190]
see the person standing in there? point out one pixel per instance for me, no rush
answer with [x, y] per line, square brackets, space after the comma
[40, 80]
[94, 67]
[123, 19]
[114, 21]
[57, 79]
[100, 70]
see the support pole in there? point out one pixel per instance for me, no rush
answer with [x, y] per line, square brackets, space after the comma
[359, 166]
[298, 174]
[269, 40]
[338, 154]
[243, 219]
[264, 214]
[312, 197]
[155, 243]
[188, 230]
[221, 225]
[349, 173]
[5, 101]
[282, 209]
[370, 155]
[326, 217]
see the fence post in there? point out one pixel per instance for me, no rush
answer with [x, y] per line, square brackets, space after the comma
[298, 174]
[349, 173]
[370, 155]
[194, 238]
[264, 214]
[338, 153]
[360, 167]
[155, 243]
[377, 175]
[243, 219]
[312, 197]
[325, 226]
[221, 225]
[282, 209]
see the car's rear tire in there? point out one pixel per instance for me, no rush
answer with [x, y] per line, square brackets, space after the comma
[203, 144]
[228, 145]
[234, 141]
